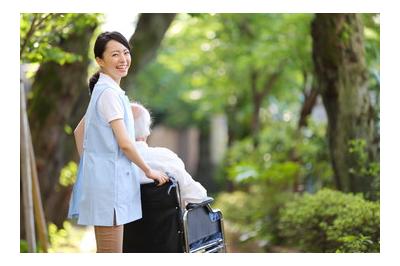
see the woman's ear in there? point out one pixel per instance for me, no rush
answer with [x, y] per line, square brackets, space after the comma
[100, 61]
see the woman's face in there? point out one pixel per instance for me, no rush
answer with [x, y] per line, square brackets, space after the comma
[116, 60]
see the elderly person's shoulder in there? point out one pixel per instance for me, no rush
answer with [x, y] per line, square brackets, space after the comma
[163, 150]
[165, 154]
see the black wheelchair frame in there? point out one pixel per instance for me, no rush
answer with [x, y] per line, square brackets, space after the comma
[168, 226]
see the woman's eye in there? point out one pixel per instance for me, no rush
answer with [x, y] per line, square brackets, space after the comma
[127, 52]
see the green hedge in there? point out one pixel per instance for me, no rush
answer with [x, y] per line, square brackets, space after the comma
[331, 221]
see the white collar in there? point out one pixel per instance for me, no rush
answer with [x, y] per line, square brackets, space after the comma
[104, 78]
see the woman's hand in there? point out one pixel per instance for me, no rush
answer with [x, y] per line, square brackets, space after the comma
[161, 177]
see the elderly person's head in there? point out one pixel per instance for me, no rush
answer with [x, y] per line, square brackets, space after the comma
[142, 121]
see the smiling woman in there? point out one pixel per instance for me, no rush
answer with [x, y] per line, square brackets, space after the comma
[106, 193]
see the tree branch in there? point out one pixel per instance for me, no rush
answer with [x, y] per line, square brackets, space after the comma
[269, 84]
[28, 35]
[34, 27]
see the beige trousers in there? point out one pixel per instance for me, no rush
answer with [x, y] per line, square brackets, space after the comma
[109, 238]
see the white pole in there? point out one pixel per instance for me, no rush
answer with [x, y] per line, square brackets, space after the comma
[26, 178]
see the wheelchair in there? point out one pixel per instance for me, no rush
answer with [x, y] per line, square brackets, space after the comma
[167, 226]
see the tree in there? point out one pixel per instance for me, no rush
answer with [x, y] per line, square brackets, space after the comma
[340, 66]
[57, 100]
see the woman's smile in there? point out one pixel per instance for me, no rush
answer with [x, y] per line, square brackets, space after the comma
[123, 68]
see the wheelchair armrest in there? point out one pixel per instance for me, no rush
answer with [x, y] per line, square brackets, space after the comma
[201, 204]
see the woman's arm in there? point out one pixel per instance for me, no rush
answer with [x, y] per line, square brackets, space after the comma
[129, 149]
[79, 133]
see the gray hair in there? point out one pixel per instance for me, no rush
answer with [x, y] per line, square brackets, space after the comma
[142, 120]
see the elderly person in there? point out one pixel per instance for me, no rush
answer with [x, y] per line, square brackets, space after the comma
[163, 159]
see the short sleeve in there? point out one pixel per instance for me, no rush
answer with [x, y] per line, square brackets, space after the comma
[109, 106]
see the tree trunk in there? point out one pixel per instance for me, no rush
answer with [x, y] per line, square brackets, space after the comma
[338, 54]
[147, 38]
[60, 96]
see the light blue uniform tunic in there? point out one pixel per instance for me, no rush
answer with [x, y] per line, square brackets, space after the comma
[106, 180]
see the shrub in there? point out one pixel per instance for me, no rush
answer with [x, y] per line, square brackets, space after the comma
[331, 221]
[253, 213]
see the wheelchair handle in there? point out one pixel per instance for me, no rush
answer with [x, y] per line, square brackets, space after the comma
[201, 204]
